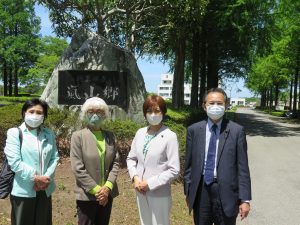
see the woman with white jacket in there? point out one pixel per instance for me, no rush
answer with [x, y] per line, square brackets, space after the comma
[153, 162]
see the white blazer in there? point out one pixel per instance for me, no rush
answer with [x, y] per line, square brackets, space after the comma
[161, 164]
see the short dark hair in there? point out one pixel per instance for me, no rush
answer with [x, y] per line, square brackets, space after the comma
[33, 102]
[152, 100]
[219, 90]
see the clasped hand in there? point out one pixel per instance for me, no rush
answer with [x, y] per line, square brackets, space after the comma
[41, 183]
[102, 195]
[140, 186]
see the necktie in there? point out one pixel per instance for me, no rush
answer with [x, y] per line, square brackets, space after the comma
[211, 156]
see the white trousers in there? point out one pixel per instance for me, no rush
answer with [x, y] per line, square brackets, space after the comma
[154, 210]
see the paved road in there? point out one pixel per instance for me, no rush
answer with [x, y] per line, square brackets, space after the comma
[274, 158]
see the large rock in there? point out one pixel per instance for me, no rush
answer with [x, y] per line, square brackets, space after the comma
[88, 51]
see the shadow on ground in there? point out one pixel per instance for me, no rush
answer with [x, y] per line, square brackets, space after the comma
[258, 124]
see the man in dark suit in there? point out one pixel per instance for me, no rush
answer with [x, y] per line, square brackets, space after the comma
[216, 178]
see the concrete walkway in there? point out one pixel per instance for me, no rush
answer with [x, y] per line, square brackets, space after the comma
[274, 159]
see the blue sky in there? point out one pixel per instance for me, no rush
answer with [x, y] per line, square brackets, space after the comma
[150, 69]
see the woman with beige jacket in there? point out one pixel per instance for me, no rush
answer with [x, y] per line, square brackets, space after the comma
[95, 164]
[153, 162]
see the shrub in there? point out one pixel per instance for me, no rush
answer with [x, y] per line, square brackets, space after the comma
[15, 99]
[277, 113]
[180, 131]
[186, 115]
[63, 123]
[124, 132]
[123, 129]
[10, 117]
[230, 115]
[178, 116]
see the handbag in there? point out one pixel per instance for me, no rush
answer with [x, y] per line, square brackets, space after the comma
[6, 174]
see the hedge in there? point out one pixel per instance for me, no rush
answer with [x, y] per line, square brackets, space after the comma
[64, 122]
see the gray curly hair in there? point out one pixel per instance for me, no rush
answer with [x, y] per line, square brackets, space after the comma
[93, 103]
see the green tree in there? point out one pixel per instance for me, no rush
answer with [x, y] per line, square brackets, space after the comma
[269, 74]
[279, 67]
[177, 42]
[118, 21]
[144, 27]
[211, 39]
[233, 30]
[37, 77]
[289, 24]
[19, 29]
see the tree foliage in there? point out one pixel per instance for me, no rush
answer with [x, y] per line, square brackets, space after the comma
[213, 40]
[19, 29]
[274, 70]
[51, 49]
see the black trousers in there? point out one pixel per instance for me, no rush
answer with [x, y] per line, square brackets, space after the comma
[33, 211]
[91, 213]
[208, 208]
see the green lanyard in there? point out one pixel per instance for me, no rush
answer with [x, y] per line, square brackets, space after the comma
[147, 140]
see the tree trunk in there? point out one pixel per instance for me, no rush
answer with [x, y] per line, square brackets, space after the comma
[267, 98]
[212, 51]
[16, 82]
[263, 99]
[10, 81]
[99, 20]
[295, 90]
[203, 56]
[13, 70]
[195, 68]
[299, 92]
[178, 82]
[100, 25]
[271, 99]
[5, 80]
[291, 94]
[276, 94]
[212, 73]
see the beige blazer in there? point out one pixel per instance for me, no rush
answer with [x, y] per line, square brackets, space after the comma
[86, 165]
[160, 166]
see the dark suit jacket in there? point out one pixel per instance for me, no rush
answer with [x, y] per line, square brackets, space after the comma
[232, 165]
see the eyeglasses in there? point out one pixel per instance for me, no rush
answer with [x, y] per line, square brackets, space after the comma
[97, 112]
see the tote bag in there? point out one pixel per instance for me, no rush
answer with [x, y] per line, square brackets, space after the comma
[7, 175]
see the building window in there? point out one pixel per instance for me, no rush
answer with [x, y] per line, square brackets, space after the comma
[164, 88]
[164, 94]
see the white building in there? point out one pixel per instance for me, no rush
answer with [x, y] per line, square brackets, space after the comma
[238, 101]
[164, 89]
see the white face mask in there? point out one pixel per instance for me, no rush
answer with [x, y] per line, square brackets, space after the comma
[215, 112]
[154, 119]
[34, 120]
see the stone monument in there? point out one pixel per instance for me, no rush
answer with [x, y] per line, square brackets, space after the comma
[92, 66]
